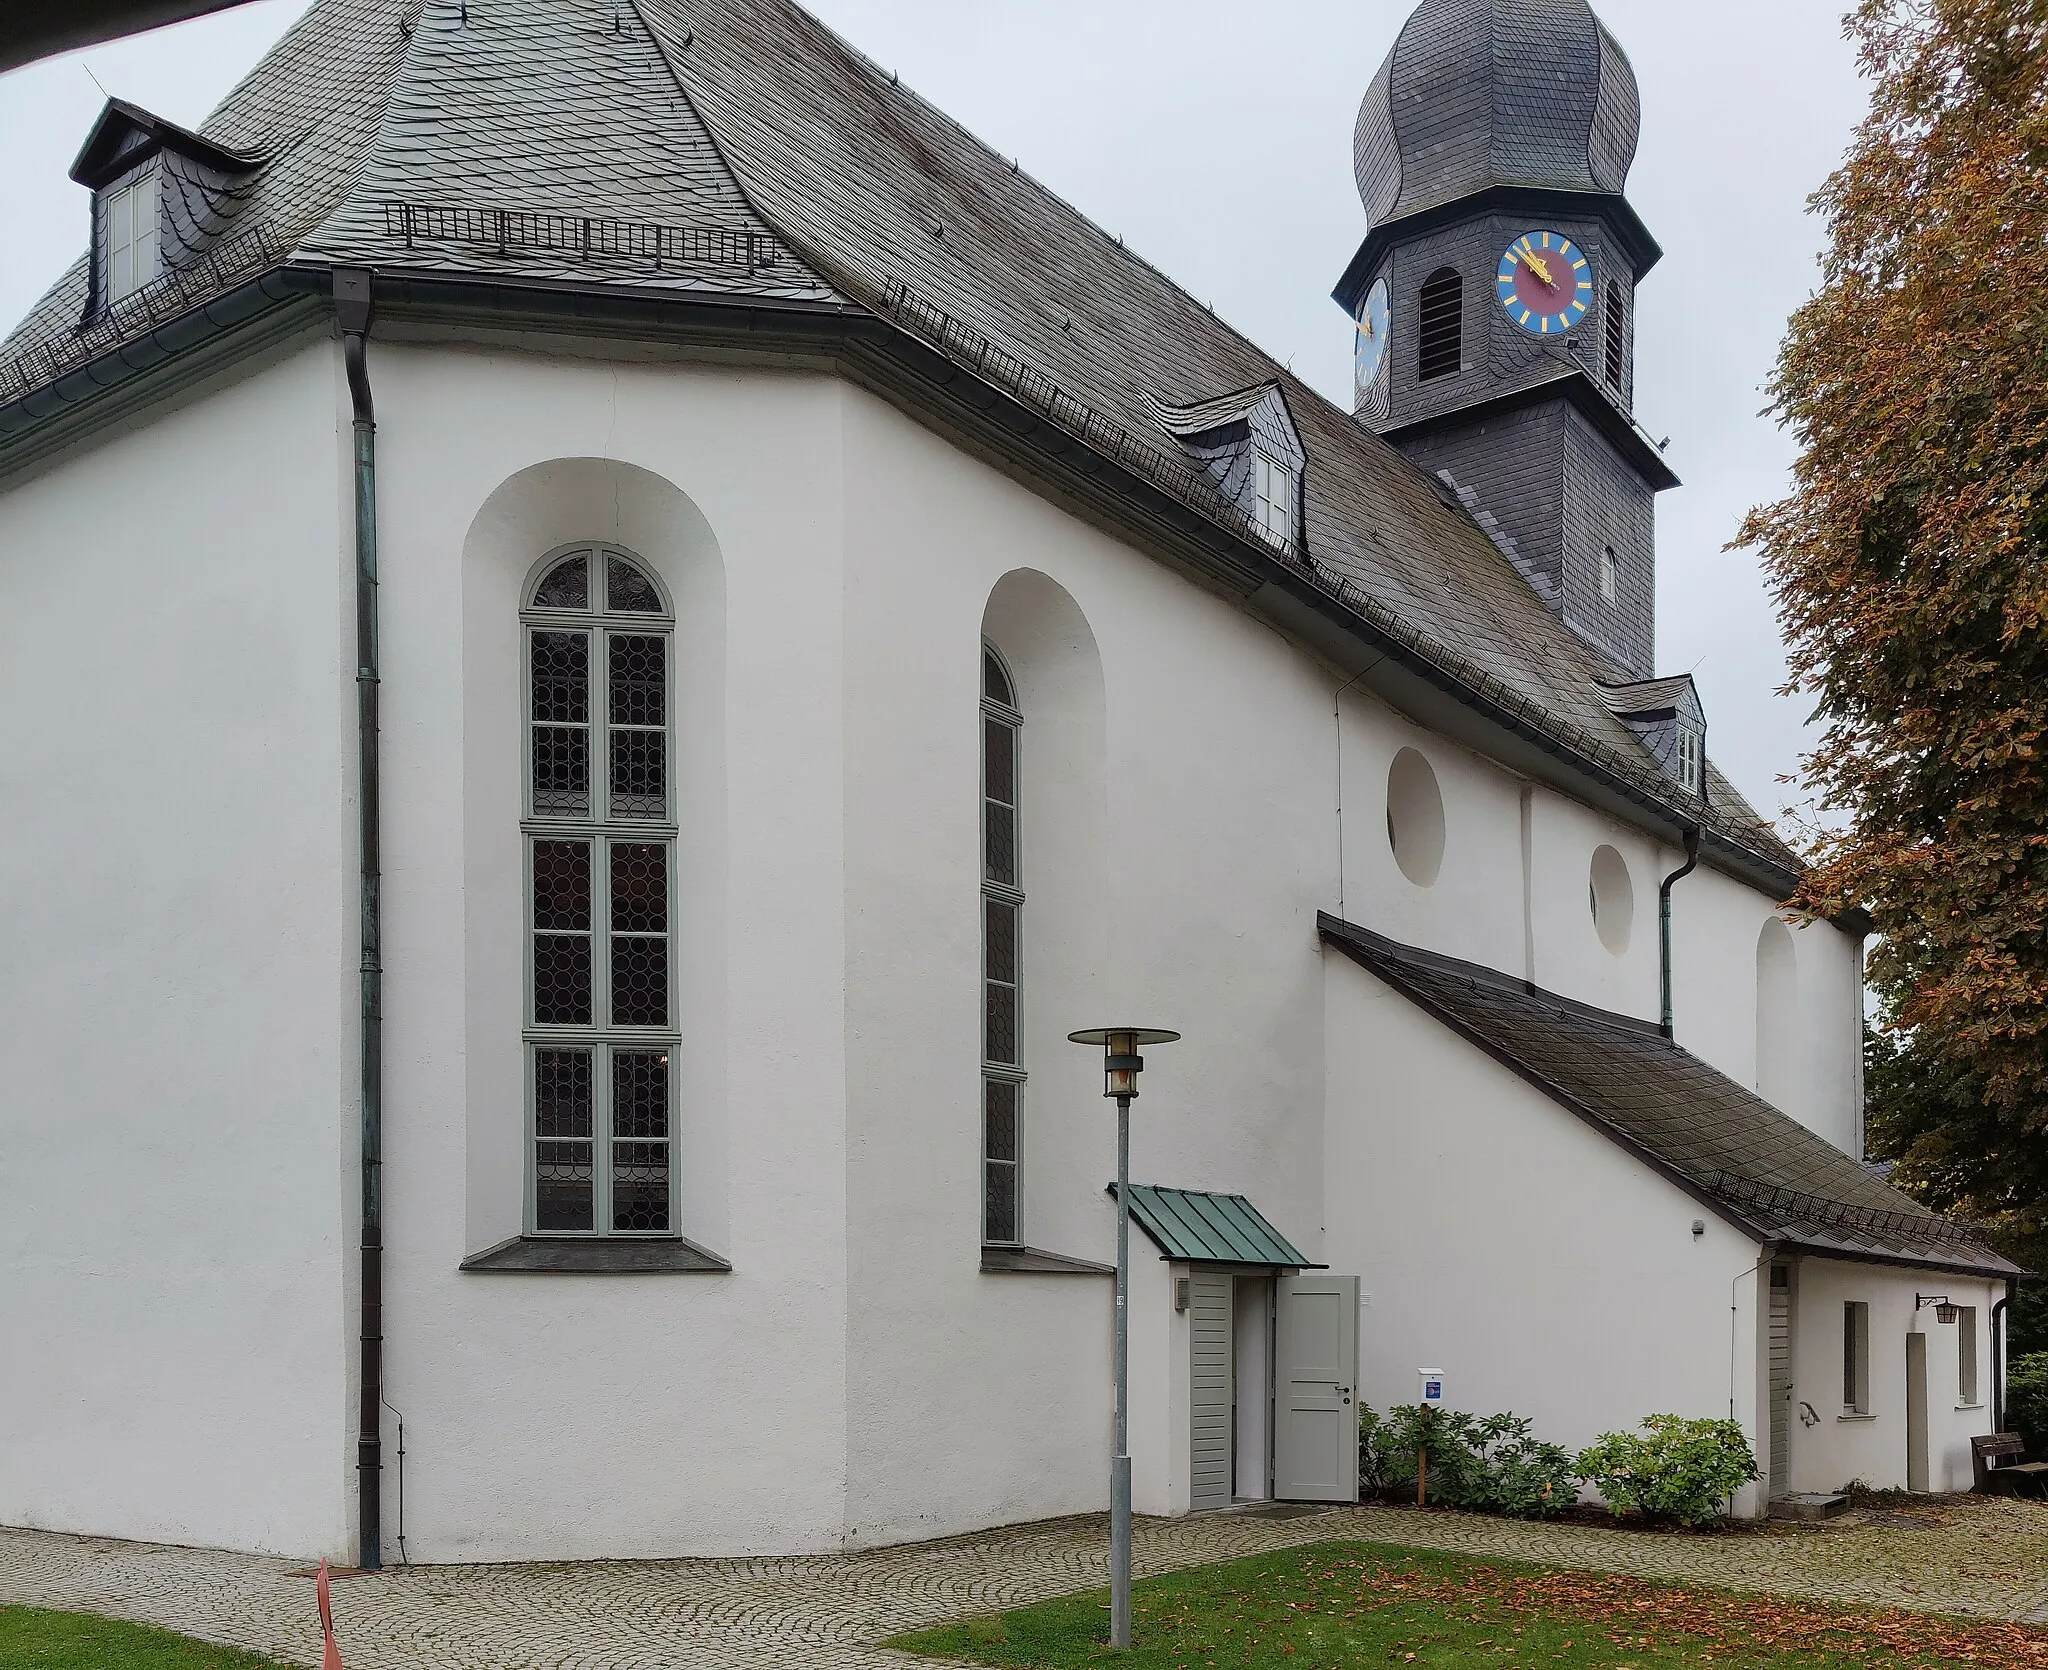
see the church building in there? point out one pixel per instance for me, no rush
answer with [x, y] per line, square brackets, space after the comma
[614, 629]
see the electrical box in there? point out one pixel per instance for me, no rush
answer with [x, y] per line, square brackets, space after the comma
[1432, 1388]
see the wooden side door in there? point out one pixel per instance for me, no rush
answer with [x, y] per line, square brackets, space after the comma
[1315, 1380]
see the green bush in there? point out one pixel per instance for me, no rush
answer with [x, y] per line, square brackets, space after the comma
[1481, 1463]
[1673, 1469]
[2026, 1402]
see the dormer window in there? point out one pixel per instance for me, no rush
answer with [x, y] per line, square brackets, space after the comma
[1246, 444]
[1276, 487]
[1690, 750]
[1667, 718]
[161, 198]
[131, 235]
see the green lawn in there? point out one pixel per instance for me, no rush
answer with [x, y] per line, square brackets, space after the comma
[33, 1640]
[1337, 1605]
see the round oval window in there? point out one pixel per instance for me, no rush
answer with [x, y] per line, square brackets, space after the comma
[1613, 899]
[1415, 817]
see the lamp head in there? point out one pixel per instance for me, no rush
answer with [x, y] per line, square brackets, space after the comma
[1121, 1062]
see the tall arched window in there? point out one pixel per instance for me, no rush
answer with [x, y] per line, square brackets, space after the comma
[1617, 334]
[600, 843]
[1002, 950]
[1440, 326]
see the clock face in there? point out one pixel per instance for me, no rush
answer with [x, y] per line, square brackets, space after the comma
[1371, 354]
[1545, 283]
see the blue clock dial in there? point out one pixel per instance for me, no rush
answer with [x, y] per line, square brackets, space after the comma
[1374, 317]
[1545, 283]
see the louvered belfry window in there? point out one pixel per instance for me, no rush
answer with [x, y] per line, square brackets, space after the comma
[1002, 914]
[1441, 325]
[1617, 335]
[600, 832]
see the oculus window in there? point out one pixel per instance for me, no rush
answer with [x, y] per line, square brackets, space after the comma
[600, 867]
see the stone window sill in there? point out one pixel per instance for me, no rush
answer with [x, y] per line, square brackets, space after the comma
[1966, 1408]
[1853, 1416]
[597, 1256]
[1029, 1261]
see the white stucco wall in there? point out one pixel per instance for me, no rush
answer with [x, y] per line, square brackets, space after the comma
[856, 1378]
[582, 1416]
[1831, 1446]
[177, 897]
[1506, 1243]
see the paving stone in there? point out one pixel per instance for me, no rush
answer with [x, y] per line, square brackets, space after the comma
[826, 1612]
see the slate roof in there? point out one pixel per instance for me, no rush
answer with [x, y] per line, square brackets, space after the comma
[1477, 93]
[1757, 1167]
[737, 147]
[1192, 1226]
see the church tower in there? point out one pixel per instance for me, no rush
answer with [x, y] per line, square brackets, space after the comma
[1494, 297]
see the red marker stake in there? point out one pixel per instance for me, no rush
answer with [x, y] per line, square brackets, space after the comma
[330, 1656]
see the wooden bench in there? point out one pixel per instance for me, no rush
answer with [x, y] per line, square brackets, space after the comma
[1996, 1475]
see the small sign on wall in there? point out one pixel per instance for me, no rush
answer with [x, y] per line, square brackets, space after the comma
[1432, 1388]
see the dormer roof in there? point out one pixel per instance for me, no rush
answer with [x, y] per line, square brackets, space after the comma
[126, 134]
[1653, 699]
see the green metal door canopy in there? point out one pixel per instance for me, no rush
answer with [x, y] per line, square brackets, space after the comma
[1192, 1227]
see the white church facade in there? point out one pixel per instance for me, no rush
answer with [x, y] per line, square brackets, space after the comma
[593, 702]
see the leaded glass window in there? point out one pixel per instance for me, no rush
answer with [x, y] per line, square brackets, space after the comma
[600, 850]
[1002, 922]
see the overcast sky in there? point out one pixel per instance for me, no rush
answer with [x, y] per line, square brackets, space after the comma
[1216, 138]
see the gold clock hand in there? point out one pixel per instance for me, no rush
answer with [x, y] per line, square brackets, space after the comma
[1538, 265]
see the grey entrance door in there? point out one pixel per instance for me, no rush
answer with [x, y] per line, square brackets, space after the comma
[1315, 1375]
[1781, 1380]
[1916, 1411]
[1212, 1343]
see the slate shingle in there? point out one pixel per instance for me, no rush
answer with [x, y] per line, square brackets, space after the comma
[1757, 1166]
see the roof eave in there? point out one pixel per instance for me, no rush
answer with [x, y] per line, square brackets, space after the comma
[902, 368]
[1574, 384]
[1643, 251]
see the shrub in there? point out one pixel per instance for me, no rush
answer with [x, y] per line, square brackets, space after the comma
[1481, 1463]
[1672, 1469]
[2026, 1402]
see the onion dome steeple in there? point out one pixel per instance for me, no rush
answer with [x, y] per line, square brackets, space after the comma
[1480, 93]
[1494, 297]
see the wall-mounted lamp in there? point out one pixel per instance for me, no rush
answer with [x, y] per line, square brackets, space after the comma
[1945, 1311]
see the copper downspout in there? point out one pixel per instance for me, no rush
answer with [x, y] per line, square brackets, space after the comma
[352, 305]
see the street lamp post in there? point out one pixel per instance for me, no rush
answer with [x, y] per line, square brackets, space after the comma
[1121, 1065]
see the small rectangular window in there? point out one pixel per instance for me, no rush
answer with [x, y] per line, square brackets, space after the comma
[1276, 496]
[1966, 1356]
[131, 236]
[1610, 578]
[1855, 1358]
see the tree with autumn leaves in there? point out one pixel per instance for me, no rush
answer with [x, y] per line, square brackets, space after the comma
[1910, 567]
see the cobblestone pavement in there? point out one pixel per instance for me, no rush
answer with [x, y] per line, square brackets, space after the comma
[826, 1612]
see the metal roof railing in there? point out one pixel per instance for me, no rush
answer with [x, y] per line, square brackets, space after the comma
[1794, 1205]
[223, 263]
[587, 237]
